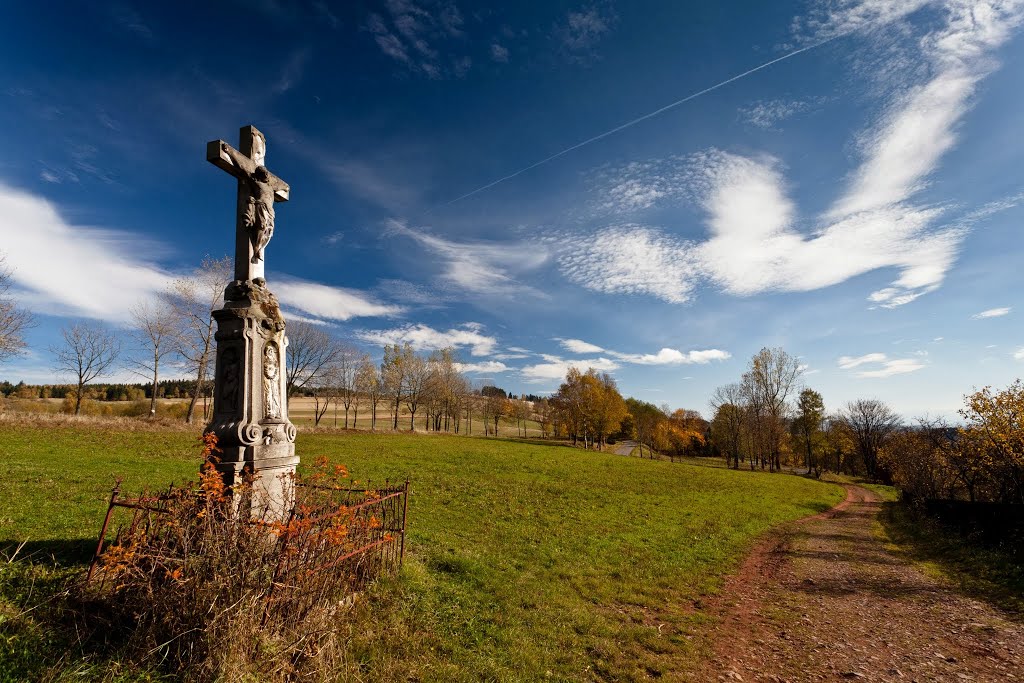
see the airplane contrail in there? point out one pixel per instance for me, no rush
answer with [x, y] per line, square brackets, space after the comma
[639, 119]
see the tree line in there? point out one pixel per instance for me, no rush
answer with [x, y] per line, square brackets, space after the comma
[770, 420]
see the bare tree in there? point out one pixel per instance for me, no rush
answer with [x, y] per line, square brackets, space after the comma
[13, 320]
[767, 386]
[325, 391]
[394, 375]
[728, 422]
[194, 298]
[871, 423]
[494, 408]
[368, 384]
[154, 328]
[89, 351]
[345, 368]
[311, 351]
[417, 380]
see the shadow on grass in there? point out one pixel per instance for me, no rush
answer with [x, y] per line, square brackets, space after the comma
[58, 553]
[987, 573]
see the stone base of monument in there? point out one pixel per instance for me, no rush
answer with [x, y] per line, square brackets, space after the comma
[250, 416]
[268, 483]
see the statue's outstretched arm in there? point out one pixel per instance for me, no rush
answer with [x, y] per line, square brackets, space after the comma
[233, 154]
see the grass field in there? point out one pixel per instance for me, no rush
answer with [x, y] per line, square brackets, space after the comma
[525, 562]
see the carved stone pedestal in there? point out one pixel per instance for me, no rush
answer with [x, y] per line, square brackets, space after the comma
[250, 409]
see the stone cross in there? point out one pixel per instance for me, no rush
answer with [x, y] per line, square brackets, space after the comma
[258, 189]
[250, 408]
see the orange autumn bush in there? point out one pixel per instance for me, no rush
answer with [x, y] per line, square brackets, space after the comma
[216, 592]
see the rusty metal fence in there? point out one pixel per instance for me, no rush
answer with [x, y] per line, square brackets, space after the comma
[359, 532]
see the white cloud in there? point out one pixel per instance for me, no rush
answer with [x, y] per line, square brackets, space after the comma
[831, 19]
[848, 362]
[499, 53]
[766, 113]
[582, 30]
[631, 259]
[425, 338]
[887, 367]
[74, 270]
[1019, 354]
[579, 346]
[480, 267]
[78, 271]
[992, 313]
[754, 245]
[417, 37]
[555, 368]
[893, 367]
[332, 303]
[292, 71]
[636, 186]
[673, 357]
[483, 367]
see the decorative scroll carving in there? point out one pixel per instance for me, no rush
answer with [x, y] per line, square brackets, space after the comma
[249, 434]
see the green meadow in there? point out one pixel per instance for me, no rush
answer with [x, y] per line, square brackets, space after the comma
[524, 561]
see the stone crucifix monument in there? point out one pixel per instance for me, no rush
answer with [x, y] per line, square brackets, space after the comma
[250, 407]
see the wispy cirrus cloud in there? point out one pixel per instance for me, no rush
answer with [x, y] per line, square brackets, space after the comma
[831, 19]
[417, 37]
[480, 267]
[880, 365]
[582, 29]
[499, 53]
[637, 186]
[292, 71]
[992, 313]
[330, 303]
[425, 338]
[766, 114]
[1019, 354]
[754, 244]
[632, 259]
[54, 262]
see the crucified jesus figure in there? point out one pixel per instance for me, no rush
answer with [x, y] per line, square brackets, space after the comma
[258, 189]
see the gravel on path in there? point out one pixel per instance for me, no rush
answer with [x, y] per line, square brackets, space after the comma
[828, 601]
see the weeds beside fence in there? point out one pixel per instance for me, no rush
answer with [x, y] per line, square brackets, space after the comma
[217, 593]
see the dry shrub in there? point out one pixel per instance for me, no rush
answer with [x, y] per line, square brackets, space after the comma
[214, 593]
[29, 405]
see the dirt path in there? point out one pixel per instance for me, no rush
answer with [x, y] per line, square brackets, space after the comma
[827, 602]
[624, 447]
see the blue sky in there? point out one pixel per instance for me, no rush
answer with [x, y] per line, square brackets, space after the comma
[858, 201]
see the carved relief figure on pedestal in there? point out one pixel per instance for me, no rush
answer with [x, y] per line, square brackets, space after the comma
[271, 368]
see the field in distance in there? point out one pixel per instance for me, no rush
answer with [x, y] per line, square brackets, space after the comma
[524, 561]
